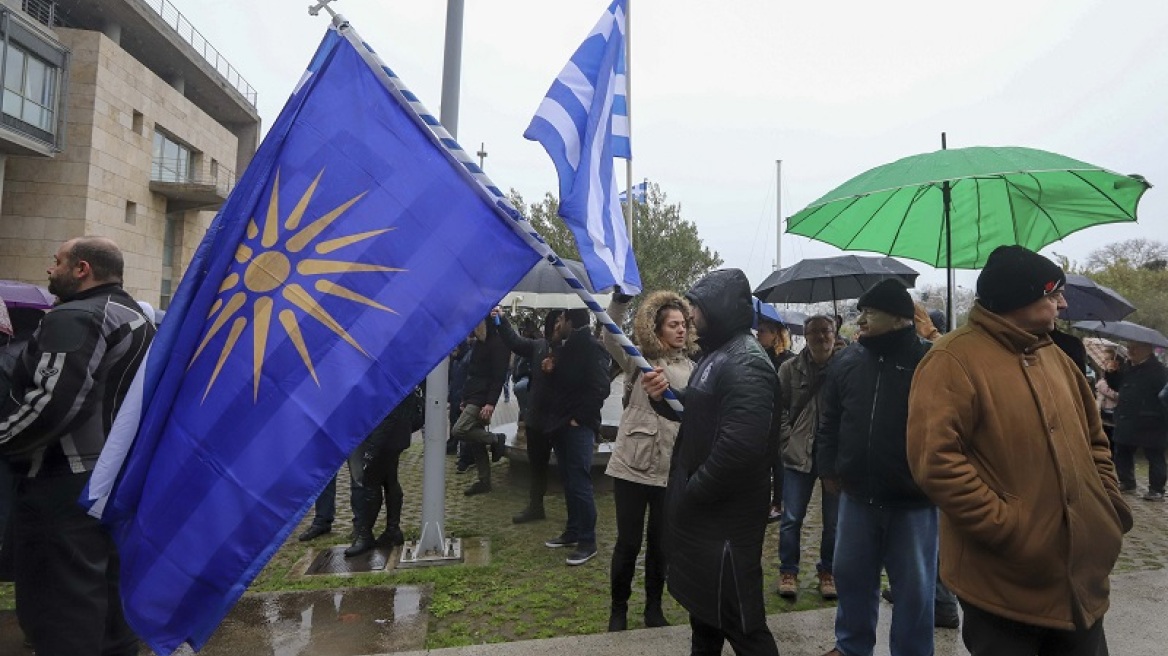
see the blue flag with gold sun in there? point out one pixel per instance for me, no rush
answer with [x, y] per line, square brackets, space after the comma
[354, 254]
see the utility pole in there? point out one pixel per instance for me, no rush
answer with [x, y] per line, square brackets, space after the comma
[482, 154]
[433, 546]
[779, 214]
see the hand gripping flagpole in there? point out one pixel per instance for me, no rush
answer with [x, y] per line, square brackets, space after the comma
[472, 170]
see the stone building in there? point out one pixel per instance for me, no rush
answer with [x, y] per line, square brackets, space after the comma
[118, 119]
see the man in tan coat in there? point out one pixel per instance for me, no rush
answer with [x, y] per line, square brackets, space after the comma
[1004, 436]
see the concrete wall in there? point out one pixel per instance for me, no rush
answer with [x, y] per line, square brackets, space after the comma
[107, 163]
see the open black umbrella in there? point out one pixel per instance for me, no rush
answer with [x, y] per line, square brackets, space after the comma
[831, 279]
[1125, 330]
[544, 287]
[1087, 300]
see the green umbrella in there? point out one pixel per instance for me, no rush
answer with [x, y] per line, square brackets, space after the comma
[997, 196]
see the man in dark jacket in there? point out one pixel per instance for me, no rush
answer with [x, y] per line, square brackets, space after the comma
[1141, 422]
[484, 383]
[67, 388]
[885, 520]
[577, 384]
[719, 482]
[539, 449]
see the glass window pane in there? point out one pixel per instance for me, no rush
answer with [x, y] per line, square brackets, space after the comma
[12, 103]
[14, 69]
[31, 113]
[34, 79]
[157, 144]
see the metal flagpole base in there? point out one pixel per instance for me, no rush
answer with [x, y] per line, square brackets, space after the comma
[449, 554]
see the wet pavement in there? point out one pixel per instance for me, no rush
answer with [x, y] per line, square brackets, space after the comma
[338, 622]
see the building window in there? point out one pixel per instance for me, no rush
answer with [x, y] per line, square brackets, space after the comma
[136, 123]
[30, 89]
[131, 212]
[173, 162]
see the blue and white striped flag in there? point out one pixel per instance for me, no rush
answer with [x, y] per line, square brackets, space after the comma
[640, 193]
[583, 123]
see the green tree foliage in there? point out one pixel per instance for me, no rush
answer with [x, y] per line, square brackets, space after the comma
[1138, 270]
[669, 252]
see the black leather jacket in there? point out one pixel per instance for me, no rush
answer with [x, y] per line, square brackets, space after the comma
[864, 406]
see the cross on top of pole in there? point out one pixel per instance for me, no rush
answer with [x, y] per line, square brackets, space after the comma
[482, 154]
[314, 10]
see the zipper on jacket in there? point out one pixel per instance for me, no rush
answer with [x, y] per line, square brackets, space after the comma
[871, 423]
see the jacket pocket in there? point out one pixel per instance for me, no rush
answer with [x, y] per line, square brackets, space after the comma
[642, 451]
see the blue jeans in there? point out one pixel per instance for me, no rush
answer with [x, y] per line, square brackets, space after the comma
[902, 541]
[797, 489]
[574, 446]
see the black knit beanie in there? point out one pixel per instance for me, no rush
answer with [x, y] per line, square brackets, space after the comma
[1015, 277]
[891, 296]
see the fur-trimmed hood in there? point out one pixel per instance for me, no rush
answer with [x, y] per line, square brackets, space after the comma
[644, 334]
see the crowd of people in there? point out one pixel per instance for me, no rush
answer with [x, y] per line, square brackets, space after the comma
[976, 468]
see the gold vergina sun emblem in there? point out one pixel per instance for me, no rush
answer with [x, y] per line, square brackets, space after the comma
[269, 258]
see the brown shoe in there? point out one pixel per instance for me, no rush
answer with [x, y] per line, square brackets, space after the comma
[788, 585]
[827, 586]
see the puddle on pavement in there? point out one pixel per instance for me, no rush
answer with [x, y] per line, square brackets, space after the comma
[340, 622]
[332, 561]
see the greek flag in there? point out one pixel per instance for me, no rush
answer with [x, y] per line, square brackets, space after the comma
[640, 193]
[583, 123]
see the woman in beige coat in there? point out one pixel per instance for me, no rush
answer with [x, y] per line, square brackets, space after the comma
[639, 465]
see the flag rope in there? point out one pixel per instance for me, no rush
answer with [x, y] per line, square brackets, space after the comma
[492, 193]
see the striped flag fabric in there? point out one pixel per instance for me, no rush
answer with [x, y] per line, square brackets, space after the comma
[583, 124]
[640, 193]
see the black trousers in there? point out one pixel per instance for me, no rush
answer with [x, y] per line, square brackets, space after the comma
[373, 470]
[632, 500]
[539, 454]
[707, 640]
[1125, 466]
[986, 634]
[67, 568]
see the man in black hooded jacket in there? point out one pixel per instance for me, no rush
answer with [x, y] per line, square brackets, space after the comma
[719, 482]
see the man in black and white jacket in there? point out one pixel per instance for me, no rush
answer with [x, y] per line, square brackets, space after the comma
[67, 388]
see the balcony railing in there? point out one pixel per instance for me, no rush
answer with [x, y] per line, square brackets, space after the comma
[177, 171]
[44, 11]
[172, 17]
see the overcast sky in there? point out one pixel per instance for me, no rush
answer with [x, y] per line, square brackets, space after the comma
[720, 90]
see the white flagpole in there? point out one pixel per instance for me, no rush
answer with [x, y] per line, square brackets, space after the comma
[629, 111]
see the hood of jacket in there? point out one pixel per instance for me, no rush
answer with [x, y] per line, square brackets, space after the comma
[644, 326]
[724, 299]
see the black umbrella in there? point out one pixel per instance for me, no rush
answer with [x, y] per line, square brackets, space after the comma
[544, 287]
[831, 279]
[1087, 300]
[1125, 330]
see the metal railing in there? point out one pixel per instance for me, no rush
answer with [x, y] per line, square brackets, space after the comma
[43, 11]
[172, 17]
[166, 169]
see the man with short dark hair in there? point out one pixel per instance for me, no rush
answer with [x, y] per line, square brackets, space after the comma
[576, 371]
[1004, 436]
[67, 388]
[885, 520]
[800, 380]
